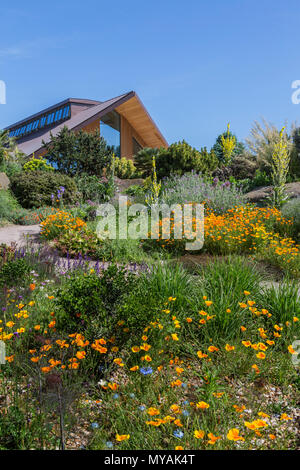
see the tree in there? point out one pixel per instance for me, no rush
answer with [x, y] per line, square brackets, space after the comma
[7, 146]
[232, 147]
[73, 153]
[143, 160]
[180, 158]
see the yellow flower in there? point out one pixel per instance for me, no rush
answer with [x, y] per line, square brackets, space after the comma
[229, 348]
[153, 411]
[260, 355]
[291, 349]
[233, 435]
[212, 438]
[199, 434]
[179, 448]
[134, 368]
[174, 337]
[208, 303]
[285, 417]
[202, 405]
[122, 437]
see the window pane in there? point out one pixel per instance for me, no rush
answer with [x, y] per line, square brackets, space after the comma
[110, 131]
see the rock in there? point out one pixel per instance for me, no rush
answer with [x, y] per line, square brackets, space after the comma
[4, 181]
[260, 194]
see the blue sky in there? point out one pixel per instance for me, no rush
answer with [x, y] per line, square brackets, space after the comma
[196, 64]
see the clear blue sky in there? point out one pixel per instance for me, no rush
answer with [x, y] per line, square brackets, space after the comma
[196, 64]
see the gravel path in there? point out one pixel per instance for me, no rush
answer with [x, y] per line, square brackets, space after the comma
[18, 234]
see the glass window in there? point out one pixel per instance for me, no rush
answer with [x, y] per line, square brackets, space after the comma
[110, 130]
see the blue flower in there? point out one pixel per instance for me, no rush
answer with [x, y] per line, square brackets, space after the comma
[109, 445]
[116, 396]
[142, 408]
[178, 433]
[185, 413]
[146, 370]
[186, 402]
[95, 425]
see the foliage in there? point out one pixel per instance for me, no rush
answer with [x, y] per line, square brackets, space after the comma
[74, 242]
[180, 158]
[233, 147]
[8, 205]
[37, 164]
[14, 271]
[228, 143]
[194, 188]
[91, 188]
[262, 143]
[280, 168]
[124, 168]
[86, 297]
[74, 153]
[7, 146]
[260, 179]
[291, 211]
[143, 160]
[155, 188]
[60, 222]
[36, 188]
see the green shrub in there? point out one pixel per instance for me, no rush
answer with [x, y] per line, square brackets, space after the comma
[180, 158]
[74, 153]
[35, 188]
[14, 271]
[8, 205]
[124, 168]
[37, 164]
[88, 298]
[84, 242]
[143, 160]
[291, 210]
[92, 188]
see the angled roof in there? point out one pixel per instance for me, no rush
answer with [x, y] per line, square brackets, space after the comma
[92, 110]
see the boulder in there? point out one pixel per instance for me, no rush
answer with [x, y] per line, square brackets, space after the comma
[4, 181]
[260, 194]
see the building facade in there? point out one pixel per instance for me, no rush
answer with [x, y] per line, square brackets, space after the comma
[123, 121]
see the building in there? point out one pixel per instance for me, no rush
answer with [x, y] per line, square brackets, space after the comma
[123, 122]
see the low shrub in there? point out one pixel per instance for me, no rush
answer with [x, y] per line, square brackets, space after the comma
[36, 188]
[76, 242]
[291, 210]
[91, 188]
[219, 197]
[91, 298]
[37, 164]
[124, 168]
[8, 205]
[14, 270]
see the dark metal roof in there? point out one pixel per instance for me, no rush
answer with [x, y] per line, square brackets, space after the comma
[57, 105]
[95, 109]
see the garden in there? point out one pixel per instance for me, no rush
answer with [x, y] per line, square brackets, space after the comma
[136, 343]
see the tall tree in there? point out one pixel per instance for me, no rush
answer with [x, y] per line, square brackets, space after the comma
[74, 153]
